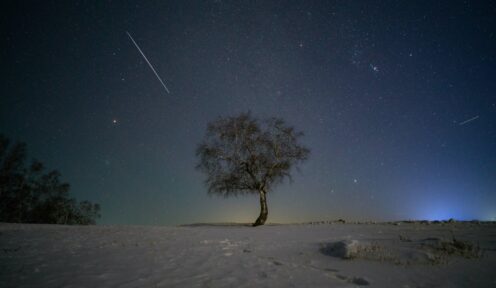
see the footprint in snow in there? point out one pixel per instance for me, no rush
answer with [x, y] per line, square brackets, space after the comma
[360, 281]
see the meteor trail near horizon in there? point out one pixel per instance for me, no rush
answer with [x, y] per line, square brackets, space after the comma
[469, 120]
[149, 64]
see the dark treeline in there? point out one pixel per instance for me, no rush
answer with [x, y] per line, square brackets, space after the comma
[28, 194]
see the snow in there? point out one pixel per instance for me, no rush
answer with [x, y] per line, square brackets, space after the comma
[305, 255]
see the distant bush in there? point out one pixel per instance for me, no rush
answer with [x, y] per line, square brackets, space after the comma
[27, 195]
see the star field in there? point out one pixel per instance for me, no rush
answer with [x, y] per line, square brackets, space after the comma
[380, 89]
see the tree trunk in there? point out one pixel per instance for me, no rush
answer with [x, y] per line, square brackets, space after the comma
[263, 209]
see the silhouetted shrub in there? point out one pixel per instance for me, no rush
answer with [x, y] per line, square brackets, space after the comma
[27, 195]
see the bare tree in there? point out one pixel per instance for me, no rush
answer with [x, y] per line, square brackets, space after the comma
[244, 155]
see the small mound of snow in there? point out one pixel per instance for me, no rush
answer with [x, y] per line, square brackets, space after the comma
[346, 249]
[403, 252]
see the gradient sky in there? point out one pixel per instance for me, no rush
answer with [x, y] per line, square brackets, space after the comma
[380, 88]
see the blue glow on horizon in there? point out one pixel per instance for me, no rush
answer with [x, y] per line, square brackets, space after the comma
[444, 206]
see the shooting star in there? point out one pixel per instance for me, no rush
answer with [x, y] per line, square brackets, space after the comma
[149, 64]
[469, 120]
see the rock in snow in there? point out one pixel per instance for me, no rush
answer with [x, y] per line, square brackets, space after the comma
[346, 249]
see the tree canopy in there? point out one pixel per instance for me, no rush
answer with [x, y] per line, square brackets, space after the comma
[242, 154]
[27, 195]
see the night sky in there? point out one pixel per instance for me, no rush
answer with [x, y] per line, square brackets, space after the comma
[396, 98]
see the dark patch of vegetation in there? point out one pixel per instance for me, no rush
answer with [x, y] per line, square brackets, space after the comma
[29, 195]
[458, 247]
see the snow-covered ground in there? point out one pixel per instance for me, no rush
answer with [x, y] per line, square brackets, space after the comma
[382, 255]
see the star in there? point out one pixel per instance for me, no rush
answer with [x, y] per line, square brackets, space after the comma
[114, 121]
[374, 68]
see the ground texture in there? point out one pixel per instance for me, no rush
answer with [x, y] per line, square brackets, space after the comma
[307, 255]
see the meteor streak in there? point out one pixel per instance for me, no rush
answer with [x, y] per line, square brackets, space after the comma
[469, 120]
[149, 64]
